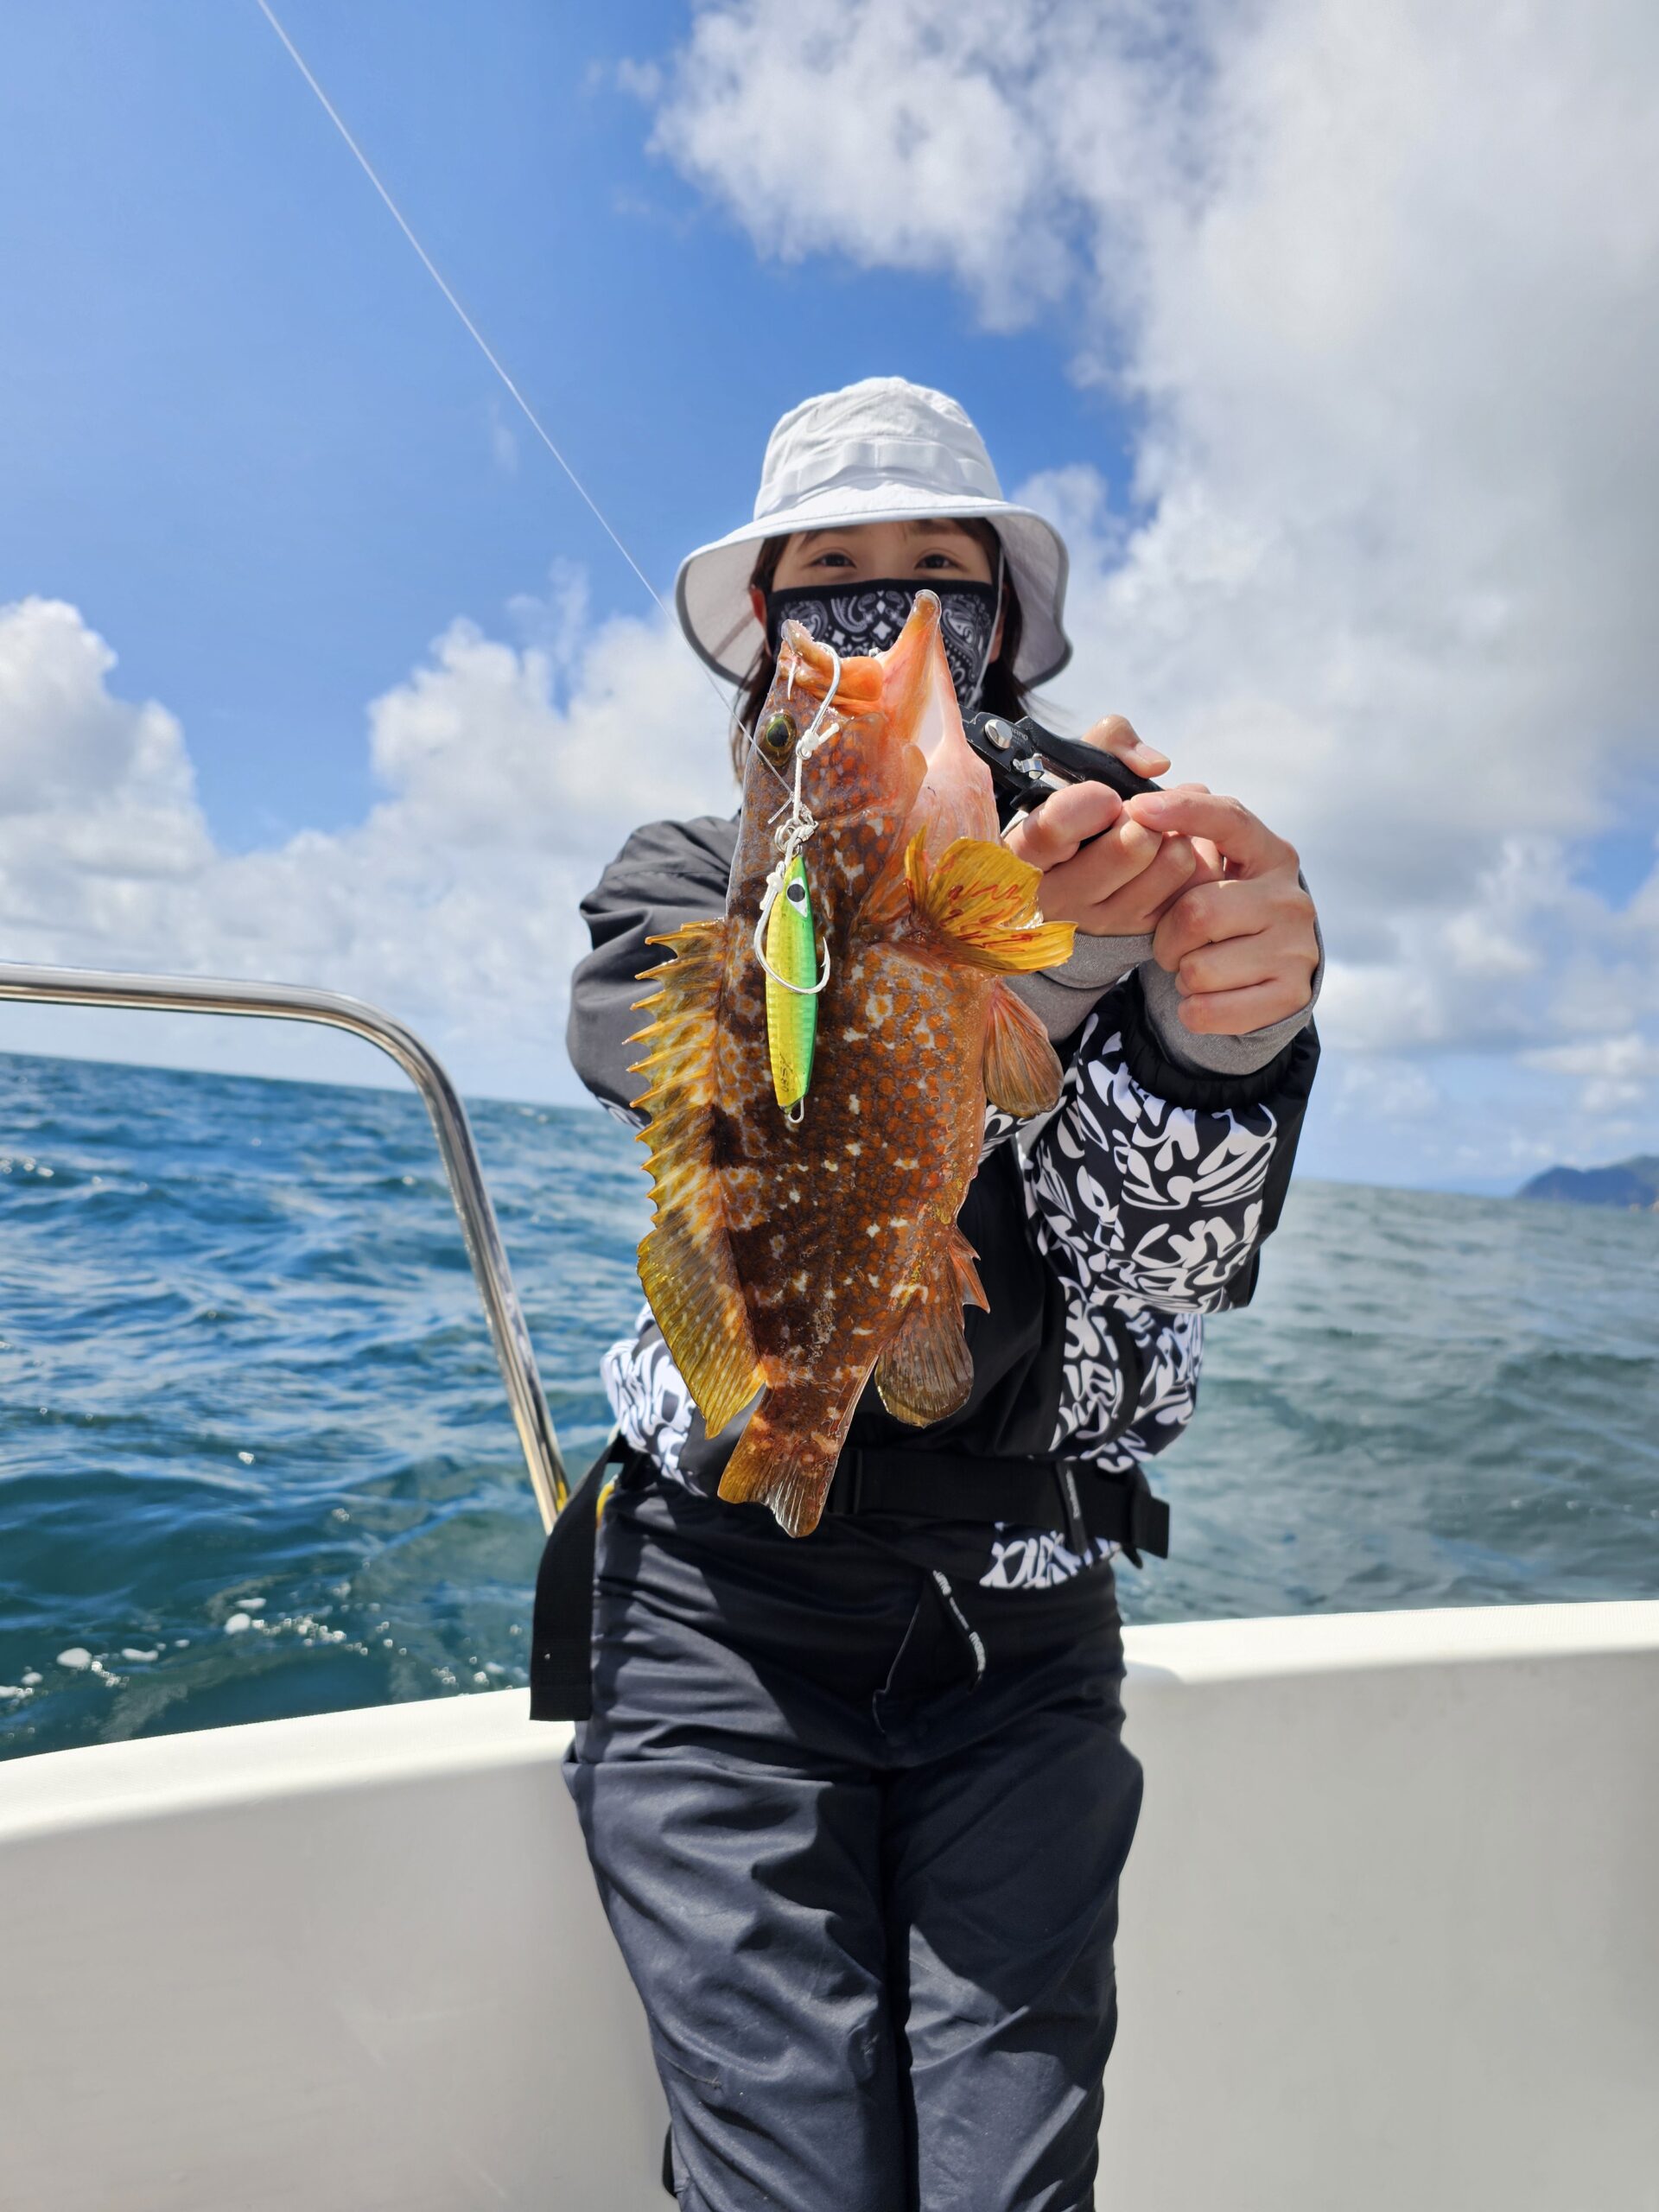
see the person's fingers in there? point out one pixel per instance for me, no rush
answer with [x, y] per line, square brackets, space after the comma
[1234, 1013]
[1101, 868]
[1133, 908]
[1238, 906]
[1240, 962]
[1235, 964]
[1117, 735]
[1245, 842]
[1204, 915]
[1053, 831]
[1210, 866]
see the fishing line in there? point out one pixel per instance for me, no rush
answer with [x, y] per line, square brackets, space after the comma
[809, 742]
[487, 351]
[797, 831]
[467, 324]
[800, 825]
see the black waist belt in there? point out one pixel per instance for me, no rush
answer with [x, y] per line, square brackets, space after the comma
[1067, 1497]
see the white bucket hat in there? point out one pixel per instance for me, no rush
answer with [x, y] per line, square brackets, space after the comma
[882, 450]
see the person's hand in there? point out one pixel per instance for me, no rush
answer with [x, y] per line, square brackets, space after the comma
[1240, 946]
[1103, 869]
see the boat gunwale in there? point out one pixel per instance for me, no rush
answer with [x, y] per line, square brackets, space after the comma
[386, 1746]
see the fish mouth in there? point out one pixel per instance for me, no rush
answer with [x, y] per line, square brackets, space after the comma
[897, 680]
[897, 712]
[811, 668]
[917, 694]
[918, 702]
[908, 663]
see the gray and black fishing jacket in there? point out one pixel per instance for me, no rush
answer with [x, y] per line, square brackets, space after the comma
[1106, 1230]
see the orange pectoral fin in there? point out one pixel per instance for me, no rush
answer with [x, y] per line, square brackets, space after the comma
[927, 1370]
[981, 904]
[1023, 1073]
[686, 1266]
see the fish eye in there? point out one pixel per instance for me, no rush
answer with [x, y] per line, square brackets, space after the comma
[777, 735]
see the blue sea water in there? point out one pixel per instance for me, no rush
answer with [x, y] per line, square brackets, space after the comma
[256, 1458]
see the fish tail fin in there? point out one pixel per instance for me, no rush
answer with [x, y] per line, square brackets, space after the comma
[785, 1458]
[980, 900]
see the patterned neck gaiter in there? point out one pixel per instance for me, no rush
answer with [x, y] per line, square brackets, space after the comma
[867, 618]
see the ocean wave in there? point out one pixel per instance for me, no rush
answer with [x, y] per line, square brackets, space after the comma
[256, 1458]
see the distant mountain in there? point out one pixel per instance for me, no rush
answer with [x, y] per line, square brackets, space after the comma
[1632, 1184]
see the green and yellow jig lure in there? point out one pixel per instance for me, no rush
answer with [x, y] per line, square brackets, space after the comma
[791, 966]
[785, 934]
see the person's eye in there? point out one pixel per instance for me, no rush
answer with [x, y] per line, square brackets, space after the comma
[832, 561]
[938, 561]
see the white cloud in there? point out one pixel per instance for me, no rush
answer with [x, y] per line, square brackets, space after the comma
[1383, 285]
[89, 785]
[513, 770]
[1616, 1069]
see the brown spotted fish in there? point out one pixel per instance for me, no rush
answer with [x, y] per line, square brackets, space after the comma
[797, 1257]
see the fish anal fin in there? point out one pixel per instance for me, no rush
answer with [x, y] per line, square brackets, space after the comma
[980, 904]
[786, 1456]
[1022, 1074]
[961, 1255]
[927, 1370]
[686, 1266]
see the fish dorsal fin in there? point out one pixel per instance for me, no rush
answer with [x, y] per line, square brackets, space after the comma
[1022, 1074]
[980, 902]
[686, 1266]
[927, 1370]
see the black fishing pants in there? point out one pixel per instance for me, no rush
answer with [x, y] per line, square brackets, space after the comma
[858, 1828]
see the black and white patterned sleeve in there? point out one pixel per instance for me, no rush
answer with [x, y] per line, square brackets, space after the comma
[1153, 1186]
[652, 1407]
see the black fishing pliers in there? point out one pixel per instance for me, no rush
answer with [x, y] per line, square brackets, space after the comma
[1028, 763]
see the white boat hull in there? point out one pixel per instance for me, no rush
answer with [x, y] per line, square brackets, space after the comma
[1390, 1936]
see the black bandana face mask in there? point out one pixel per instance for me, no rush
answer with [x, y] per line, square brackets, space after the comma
[867, 618]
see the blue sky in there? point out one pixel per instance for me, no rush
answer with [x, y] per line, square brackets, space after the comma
[246, 436]
[1359, 530]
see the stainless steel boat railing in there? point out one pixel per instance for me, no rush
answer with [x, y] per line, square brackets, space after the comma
[294, 1002]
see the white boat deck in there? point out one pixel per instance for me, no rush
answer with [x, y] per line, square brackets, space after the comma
[1390, 1937]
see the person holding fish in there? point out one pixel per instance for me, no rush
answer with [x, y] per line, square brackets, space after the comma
[957, 1130]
